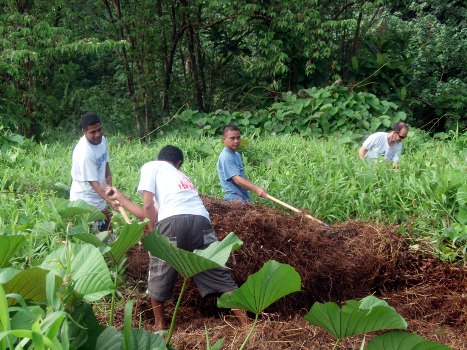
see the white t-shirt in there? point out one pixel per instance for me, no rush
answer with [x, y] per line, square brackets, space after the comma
[377, 146]
[89, 163]
[174, 193]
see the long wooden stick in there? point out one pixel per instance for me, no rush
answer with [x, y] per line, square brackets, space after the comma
[120, 208]
[288, 206]
[123, 212]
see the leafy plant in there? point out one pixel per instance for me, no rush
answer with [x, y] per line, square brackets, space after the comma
[310, 112]
[131, 339]
[188, 263]
[261, 290]
[360, 317]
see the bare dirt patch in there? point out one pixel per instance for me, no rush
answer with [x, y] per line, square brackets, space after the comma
[346, 261]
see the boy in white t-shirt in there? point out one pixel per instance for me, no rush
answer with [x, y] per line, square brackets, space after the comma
[172, 203]
[90, 168]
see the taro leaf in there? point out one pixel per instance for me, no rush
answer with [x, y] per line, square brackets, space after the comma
[30, 284]
[403, 341]
[186, 263]
[143, 340]
[219, 251]
[263, 288]
[110, 339]
[356, 317]
[79, 208]
[130, 234]
[89, 238]
[89, 272]
[9, 245]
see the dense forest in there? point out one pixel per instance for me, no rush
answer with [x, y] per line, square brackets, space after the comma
[140, 63]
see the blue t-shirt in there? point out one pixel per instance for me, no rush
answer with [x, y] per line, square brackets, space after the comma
[229, 164]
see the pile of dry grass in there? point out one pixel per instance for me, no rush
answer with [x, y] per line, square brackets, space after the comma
[346, 261]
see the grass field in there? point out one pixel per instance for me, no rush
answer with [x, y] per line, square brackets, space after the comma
[322, 176]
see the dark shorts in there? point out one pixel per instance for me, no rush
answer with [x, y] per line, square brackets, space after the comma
[188, 232]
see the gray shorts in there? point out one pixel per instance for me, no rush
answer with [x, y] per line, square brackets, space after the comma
[188, 232]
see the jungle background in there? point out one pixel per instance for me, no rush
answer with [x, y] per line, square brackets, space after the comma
[141, 64]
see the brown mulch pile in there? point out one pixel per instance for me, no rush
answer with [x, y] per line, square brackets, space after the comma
[338, 263]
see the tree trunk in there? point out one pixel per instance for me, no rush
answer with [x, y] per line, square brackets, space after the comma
[126, 65]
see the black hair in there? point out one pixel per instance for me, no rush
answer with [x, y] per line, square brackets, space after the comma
[171, 154]
[399, 126]
[89, 119]
[230, 127]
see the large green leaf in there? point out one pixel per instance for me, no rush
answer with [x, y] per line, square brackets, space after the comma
[110, 339]
[187, 263]
[127, 238]
[219, 251]
[9, 245]
[30, 284]
[263, 288]
[403, 341]
[79, 208]
[356, 317]
[86, 267]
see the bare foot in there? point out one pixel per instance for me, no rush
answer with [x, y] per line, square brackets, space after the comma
[241, 317]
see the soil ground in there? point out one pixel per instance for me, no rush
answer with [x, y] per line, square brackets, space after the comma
[346, 261]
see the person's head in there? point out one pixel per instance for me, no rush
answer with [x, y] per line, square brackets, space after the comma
[171, 154]
[400, 131]
[231, 137]
[91, 128]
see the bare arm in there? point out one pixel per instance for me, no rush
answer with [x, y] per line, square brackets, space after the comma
[246, 184]
[149, 209]
[362, 152]
[96, 186]
[132, 207]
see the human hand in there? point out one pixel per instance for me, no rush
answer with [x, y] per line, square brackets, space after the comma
[113, 197]
[261, 192]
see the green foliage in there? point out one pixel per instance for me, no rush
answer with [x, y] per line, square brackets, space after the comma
[29, 327]
[263, 288]
[365, 316]
[9, 245]
[84, 270]
[188, 263]
[131, 339]
[438, 74]
[127, 238]
[355, 317]
[403, 340]
[312, 112]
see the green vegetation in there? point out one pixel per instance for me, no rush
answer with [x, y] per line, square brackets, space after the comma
[426, 196]
[138, 64]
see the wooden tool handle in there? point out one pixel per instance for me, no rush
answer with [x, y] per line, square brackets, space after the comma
[123, 212]
[120, 208]
[278, 201]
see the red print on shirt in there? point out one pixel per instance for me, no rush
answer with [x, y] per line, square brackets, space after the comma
[186, 184]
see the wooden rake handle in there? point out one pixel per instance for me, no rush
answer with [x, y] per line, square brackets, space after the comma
[120, 208]
[278, 201]
[123, 212]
